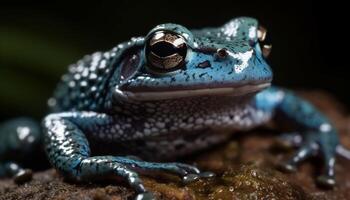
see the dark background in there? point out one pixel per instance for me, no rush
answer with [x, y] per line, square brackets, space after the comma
[38, 41]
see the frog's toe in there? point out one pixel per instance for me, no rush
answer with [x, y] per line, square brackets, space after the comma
[322, 146]
[304, 152]
[175, 168]
[194, 177]
[145, 196]
[188, 168]
[207, 174]
[135, 181]
[326, 181]
[180, 169]
[190, 178]
[23, 176]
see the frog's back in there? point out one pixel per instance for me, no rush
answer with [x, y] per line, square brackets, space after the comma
[83, 86]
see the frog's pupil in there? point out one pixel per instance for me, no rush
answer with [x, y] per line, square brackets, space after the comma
[163, 49]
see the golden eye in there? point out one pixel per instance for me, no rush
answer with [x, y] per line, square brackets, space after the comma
[165, 51]
[265, 41]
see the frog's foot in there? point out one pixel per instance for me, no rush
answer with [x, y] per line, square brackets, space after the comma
[188, 173]
[320, 144]
[19, 174]
[304, 152]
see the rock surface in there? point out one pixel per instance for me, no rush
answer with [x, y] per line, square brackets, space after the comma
[245, 168]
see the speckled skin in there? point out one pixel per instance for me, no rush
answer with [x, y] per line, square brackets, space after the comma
[112, 104]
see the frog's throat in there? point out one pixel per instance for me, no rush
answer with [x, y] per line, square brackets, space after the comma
[163, 95]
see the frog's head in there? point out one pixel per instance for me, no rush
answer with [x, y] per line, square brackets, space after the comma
[176, 63]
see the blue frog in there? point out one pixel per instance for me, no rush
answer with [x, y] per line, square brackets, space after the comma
[168, 94]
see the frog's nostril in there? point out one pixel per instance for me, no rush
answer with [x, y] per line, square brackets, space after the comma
[221, 53]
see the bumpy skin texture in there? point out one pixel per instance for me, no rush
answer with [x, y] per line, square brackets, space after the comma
[112, 104]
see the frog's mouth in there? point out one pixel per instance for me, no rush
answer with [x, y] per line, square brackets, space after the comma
[174, 94]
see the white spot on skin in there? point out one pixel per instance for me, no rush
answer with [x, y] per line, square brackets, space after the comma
[80, 67]
[209, 122]
[83, 84]
[13, 166]
[23, 132]
[231, 28]
[71, 84]
[182, 125]
[138, 134]
[154, 129]
[103, 64]
[85, 72]
[113, 130]
[31, 139]
[52, 102]
[147, 125]
[186, 36]
[160, 125]
[77, 76]
[58, 129]
[147, 131]
[199, 121]
[93, 89]
[252, 32]
[136, 39]
[92, 76]
[325, 127]
[244, 58]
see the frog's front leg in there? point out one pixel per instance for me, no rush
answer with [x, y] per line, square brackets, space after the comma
[319, 136]
[68, 150]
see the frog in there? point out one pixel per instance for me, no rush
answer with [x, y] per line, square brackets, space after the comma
[137, 107]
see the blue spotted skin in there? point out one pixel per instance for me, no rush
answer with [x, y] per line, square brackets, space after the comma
[111, 104]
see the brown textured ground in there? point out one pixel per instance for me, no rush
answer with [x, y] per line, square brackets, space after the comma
[245, 168]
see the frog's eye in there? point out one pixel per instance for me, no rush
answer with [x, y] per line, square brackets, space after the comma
[165, 51]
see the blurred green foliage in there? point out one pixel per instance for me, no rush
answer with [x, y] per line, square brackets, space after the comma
[30, 65]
